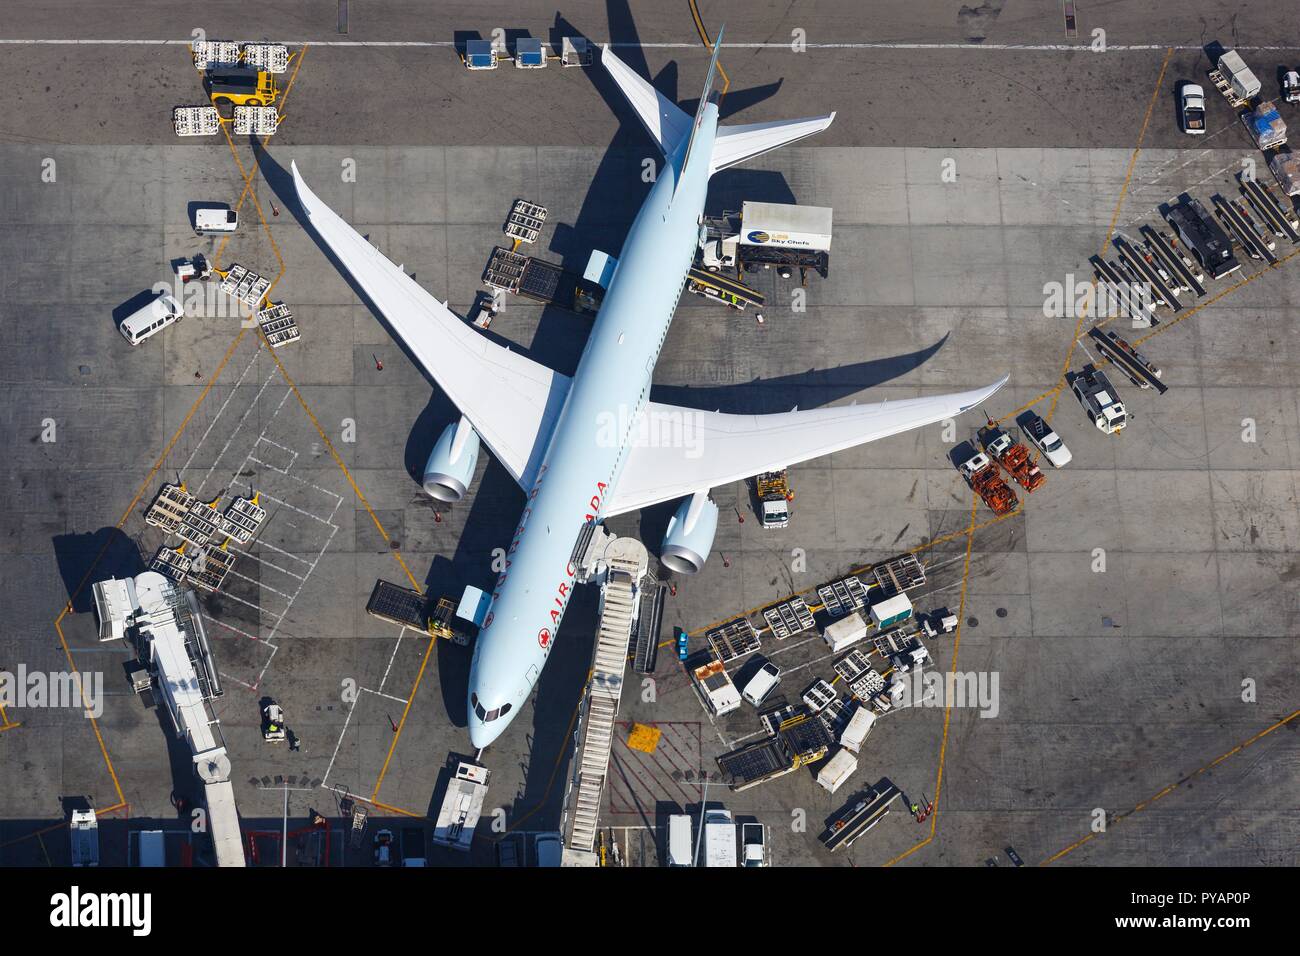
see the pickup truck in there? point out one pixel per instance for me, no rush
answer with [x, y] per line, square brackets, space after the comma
[1041, 436]
[751, 841]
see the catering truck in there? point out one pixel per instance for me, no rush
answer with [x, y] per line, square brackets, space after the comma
[764, 235]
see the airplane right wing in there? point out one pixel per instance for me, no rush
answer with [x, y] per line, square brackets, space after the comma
[735, 144]
[679, 451]
[512, 401]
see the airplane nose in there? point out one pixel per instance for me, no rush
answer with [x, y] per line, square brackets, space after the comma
[481, 734]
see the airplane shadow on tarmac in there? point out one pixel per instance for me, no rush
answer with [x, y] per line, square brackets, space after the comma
[612, 201]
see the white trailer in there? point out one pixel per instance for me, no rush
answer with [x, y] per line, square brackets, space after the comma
[856, 730]
[838, 769]
[461, 807]
[847, 630]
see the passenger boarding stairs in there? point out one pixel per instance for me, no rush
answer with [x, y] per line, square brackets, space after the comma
[625, 563]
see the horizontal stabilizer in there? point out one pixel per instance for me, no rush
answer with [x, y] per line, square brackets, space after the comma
[661, 117]
[735, 144]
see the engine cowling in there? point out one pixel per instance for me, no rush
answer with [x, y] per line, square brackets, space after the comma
[450, 469]
[689, 538]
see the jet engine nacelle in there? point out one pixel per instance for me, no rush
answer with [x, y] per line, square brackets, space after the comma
[689, 538]
[450, 468]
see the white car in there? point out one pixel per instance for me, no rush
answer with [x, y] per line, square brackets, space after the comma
[1193, 109]
[764, 681]
[1042, 437]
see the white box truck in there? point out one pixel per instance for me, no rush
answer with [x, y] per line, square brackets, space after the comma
[720, 839]
[856, 730]
[835, 771]
[680, 846]
[767, 234]
[847, 630]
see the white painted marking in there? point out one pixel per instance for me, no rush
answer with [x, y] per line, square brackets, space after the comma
[337, 745]
[221, 410]
[392, 657]
[261, 586]
[305, 514]
[696, 45]
[400, 700]
[273, 567]
[224, 448]
[231, 627]
[266, 544]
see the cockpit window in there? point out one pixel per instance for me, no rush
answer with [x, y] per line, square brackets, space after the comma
[485, 715]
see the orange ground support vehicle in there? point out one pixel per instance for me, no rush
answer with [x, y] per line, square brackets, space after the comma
[982, 475]
[1011, 455]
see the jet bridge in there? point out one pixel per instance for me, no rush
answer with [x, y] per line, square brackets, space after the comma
[163, 621]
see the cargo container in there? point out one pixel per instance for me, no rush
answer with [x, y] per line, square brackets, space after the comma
[891, 611]
[838, 769]
[847, 630]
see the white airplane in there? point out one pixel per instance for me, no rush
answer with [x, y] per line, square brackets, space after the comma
[589, 447]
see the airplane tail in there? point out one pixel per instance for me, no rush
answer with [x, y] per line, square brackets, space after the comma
[669, 125]
[707, 96]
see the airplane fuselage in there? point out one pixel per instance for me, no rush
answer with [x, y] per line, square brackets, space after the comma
[588, 446]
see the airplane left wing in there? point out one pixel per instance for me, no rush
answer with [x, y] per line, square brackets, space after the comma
[679, 451]
[512, 401]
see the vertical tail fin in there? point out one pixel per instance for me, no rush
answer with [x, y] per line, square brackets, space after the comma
[706, 97]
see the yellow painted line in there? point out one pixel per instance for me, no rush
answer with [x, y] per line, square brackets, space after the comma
[162, 458]
[249, 177]
[1165, 327]
[947, 711]
[6, 723]
[1174, 786]
[704, 38]
[405, 711]
[1031, 403]
[63, 825]
[342, 467]
[1114, 221]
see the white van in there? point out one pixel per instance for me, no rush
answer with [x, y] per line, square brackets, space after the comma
[679, 840]
[152, 318]
[758, 687]
[210, 219]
